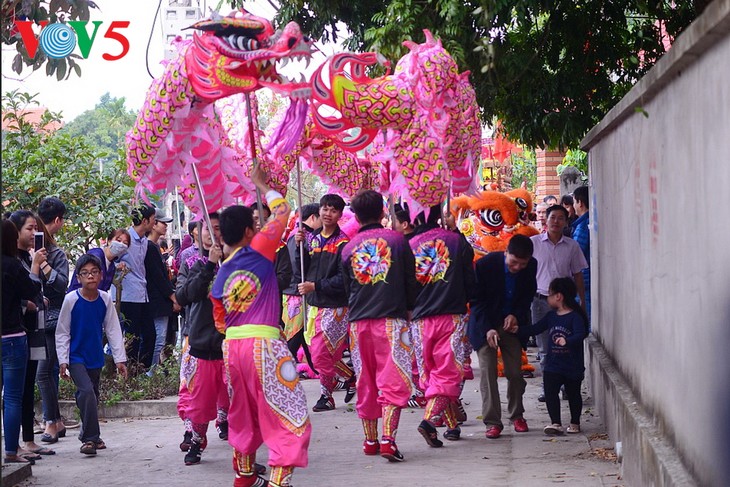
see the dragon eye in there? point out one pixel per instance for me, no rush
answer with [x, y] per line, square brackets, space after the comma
[521, 203]
[291, 42]
[492, 218]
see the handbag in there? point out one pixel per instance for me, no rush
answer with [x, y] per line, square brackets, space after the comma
[36, 333]
[35, 329]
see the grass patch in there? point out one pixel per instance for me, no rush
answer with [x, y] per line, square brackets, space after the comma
[112, 388]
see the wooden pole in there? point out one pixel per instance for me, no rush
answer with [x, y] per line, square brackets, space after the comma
[301, 244]
[204, 206]
[252, 143]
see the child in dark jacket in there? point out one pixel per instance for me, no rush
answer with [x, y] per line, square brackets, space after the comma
[564, 364]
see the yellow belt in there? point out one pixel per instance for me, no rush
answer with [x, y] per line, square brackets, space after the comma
[253, 331]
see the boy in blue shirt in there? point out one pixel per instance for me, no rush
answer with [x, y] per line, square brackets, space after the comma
[85, 314]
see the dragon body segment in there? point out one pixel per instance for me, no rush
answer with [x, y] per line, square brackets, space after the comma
[426, 109]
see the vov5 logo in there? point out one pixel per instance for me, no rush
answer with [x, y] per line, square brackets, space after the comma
[58, 40]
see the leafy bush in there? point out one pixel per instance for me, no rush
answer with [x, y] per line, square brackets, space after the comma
[112, 388]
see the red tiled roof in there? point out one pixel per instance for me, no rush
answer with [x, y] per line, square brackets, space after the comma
[33, 116]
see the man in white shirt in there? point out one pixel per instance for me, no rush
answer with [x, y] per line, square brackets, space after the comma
[557, 256]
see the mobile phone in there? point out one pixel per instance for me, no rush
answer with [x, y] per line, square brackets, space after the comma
[38, 242]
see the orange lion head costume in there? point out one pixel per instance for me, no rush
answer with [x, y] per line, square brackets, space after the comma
[489, 219]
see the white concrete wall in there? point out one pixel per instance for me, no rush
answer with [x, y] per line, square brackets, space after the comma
[660, 190]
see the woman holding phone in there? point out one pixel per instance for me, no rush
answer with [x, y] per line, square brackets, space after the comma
[18, 286]
[33, 322]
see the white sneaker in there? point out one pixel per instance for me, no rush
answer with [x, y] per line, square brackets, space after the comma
[553, 430]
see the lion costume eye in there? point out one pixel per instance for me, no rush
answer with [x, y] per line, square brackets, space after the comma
[521, 203]
[492, 218]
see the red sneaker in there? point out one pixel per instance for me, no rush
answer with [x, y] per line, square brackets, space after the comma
[520, 425]
[250, 481]
[370, 447]
[389, 451]
[494, 432]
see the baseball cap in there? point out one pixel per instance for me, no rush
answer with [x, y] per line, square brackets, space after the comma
[161, 217]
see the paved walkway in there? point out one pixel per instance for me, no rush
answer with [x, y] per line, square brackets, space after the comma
[144, 452]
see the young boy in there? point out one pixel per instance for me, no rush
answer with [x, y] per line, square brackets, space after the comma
[379, 275]
[322, 288]
[85, 312]
[292, 314]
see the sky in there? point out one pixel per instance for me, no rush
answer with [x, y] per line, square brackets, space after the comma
[126, 77]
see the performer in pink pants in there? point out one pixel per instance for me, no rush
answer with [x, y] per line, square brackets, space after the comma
[328, 343]
[267, 401]
[187, 363]
[206, 390]
[446, 277]
[323, 290]
[379, 275]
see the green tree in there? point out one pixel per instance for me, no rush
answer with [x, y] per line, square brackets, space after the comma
[39, 163]
[548, 70]
[576, 158]
[105, 126]
[524, 168]
[38, 11]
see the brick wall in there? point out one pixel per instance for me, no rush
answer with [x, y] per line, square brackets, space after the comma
[548, 181]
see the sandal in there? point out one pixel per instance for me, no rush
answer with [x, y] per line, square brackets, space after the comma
[30, 455]
[49, 438]
[100, 445]
[573, 428]
[43, 451]
[88, 448]
[18, 459]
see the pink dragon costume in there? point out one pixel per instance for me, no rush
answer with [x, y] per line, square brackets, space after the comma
[428, 113]
[179, 125]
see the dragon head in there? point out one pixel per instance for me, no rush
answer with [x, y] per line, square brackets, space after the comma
[239, 53]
